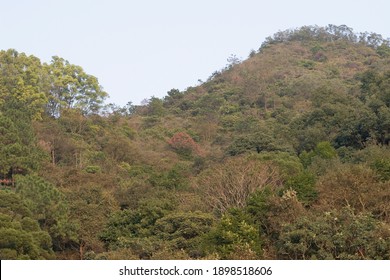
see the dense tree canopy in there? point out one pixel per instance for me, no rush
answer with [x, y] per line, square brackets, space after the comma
[284, 155]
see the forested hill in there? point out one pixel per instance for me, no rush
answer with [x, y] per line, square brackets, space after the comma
[284, 155]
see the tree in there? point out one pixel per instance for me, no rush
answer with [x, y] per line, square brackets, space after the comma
[230, 184]
[134, 228]
[232, 60]
[173, 96]
[22, 101]
[86, 202]
[71, 87]
[155, 107]
[10, 150]
[184, 145]
[304, 185]
[384, 50]
[258, 142]
[20, 234]
[323, 150]
[21, 86]
[18, 151]
[48, 206]
[235, 236]
[382, 167]
[184, 231]
[356, 186]
[175, 178]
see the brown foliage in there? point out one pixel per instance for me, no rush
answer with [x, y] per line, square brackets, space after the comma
[230, 184]
[356, 186]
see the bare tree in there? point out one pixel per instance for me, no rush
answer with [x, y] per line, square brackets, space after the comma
[231, 183]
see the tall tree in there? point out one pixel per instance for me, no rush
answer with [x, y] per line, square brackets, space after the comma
[71, 87]
[21, 87]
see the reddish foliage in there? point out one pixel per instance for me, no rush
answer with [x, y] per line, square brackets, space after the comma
[183, 143]
[6, 182]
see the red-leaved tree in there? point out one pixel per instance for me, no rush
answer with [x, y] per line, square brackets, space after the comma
[183, 144]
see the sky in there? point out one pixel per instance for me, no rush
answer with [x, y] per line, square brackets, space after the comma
[139, 49]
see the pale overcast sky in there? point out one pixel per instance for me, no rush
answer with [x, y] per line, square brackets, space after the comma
[139, 49]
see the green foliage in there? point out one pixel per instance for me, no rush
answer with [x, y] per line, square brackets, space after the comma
[304, 185]
[18, 151]
[86, 202]
[48, 207]
[323, 150]
[93, 169]
[328, 33]
[335, 235]
[242, 166]
[155, 107]
[11, 149]
[71, 87]
[208, 105]
[12, 205]
[376, 84]
[308, 64]
[21, 235]
[258, 142]
[288, 164]
[382, 167]
[235, 232]
[20, 84]
[173, 96]
[259, 204]
[184, 231]
[175, 178]
[127, 226]
[383, 50]
[20, 244]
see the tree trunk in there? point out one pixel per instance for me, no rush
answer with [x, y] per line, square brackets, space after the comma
[81, 250]
[53, 158]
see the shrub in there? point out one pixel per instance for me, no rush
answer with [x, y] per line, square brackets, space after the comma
[92, 169]
[382, 167]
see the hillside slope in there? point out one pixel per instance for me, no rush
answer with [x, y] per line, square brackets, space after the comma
[284, 155]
